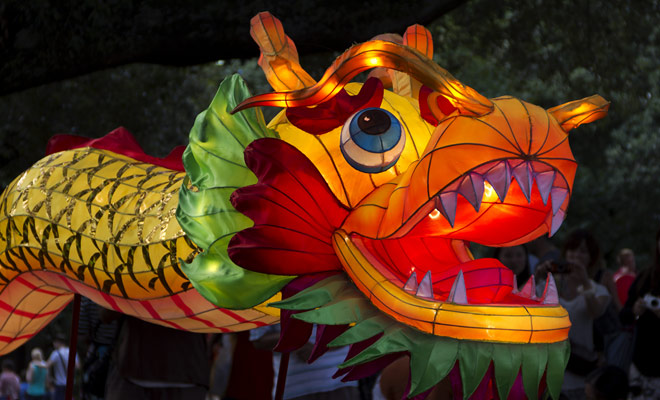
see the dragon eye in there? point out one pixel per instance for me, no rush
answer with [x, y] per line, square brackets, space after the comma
[372, 140]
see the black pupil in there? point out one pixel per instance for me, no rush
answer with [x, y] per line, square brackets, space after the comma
[374, 122]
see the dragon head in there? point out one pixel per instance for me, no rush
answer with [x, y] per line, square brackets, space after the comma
[358, 202]
[422, 171]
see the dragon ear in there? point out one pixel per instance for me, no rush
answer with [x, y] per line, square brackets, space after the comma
[279, 56]
[577, 112]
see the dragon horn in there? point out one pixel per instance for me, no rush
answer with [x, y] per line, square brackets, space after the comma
[420, 39]
[577, 112]
[373, 54]
[279, 57]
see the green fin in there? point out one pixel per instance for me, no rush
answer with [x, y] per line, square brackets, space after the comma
[215, 167]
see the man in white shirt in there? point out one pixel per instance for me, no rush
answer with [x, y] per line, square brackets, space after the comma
[58, 364]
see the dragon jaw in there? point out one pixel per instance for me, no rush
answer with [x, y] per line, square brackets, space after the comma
[514, 191]
[408, 240]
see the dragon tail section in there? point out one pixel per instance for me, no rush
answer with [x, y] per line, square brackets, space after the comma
[101, 224]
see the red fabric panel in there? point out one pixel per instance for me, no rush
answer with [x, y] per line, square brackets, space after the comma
[424, 109]
[442, 102]
[293, 210]
[334, 112]
[119, 141]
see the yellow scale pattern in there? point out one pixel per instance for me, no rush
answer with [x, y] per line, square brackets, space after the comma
[103, 225]
[99, 217]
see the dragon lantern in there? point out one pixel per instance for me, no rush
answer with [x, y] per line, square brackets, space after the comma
[352, 209]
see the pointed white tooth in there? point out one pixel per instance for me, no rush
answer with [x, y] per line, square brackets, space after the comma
[425, 288]
[458, 293]
[524, 177]
[500, 177]
[472, 188]
[544, 181]
[446, 204]
[411, 283]
[558, 196]
[557, 220]
[529, 290]
[550, 294]
[515, 285]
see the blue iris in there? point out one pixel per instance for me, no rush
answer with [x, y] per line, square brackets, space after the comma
[372, 140]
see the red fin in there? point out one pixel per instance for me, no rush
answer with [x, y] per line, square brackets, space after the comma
[294, 213]
[119, 141]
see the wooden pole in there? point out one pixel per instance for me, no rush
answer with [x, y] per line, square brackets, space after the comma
[281, 376]
[73, 345]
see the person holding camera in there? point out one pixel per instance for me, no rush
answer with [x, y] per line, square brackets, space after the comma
[642, 310]
[516, 258]
[584, 299]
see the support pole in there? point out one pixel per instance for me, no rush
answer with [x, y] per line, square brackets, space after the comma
[73, 345]
[281, 376]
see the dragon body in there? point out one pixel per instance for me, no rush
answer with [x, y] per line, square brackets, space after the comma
[101, 224]
[353, 209]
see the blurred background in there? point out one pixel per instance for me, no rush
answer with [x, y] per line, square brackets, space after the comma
[87, 67]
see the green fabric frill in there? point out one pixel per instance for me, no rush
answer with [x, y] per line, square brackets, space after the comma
[215, 167]
[335, 301]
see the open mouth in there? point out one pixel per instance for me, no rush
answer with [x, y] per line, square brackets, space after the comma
[429, 255]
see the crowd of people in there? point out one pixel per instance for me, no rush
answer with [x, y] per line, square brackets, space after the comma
[614, 312]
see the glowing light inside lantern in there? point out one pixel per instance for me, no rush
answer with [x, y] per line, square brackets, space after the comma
[489, 192]
[434, 214]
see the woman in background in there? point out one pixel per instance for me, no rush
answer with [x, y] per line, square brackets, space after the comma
[516, 258]
[642, 309]
[36, 376]
[584, 299]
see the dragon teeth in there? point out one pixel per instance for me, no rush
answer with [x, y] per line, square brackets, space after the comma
[446, 204]
[458, 293]
[529, 290]
[500, 178]
[515, 285]
[558, 197]
[411, 284]
[555, 222]
[550, 294]
[425, 288]
[525, 178]
[544, 181]
[472, 188]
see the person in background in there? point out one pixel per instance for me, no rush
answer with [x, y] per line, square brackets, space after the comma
[392, 383]
[10, 384]
[607, 383]
[96, 338]
[626, 274]
[307, 381]
[36, 375]
[58, 365]
[642, 310]
[516, 259]
[155, 362]
[584, 299]
[541, 250]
